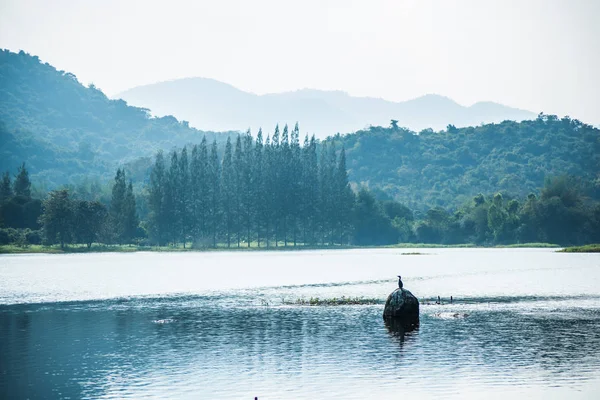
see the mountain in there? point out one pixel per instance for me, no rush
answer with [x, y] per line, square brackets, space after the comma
[214, 105]
[450, 167]
[64, 130]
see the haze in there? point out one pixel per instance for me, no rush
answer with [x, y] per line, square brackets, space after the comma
[535, 55]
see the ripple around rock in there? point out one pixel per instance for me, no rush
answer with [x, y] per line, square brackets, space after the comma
[401, 310]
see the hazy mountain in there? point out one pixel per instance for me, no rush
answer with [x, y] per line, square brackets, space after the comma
[213, 105]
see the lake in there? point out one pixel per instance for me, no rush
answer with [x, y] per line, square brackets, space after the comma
[216, 325]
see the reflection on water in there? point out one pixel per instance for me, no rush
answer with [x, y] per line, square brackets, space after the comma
[232, 345]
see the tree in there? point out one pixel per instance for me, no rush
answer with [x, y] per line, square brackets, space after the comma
[184, 213]
[214, 190]
[249, 182]
[345, 198]
[22, 183]
[372, 227]
[228, 192]
[156, 201]
[117, 205]
[259, 198]
[130, 219]
[89, 219]
[5, 187]
[57, 219]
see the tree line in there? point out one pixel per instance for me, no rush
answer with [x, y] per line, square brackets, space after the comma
[63, 219]
[273, 192]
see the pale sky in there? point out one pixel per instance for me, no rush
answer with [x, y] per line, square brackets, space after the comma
[540, 55]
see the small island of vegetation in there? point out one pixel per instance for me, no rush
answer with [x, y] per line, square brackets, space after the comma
[589, 248]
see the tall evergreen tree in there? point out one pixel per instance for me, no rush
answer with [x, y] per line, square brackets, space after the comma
[269, 185]
[324, 193]
[284, 184]
[117, 206]
[156, 201]
[130, 218]
[204, 190]
[22, 182]
[238, 188]
[213, 179]
[275, 184]
[259, 195]
[184, 197]
[295, 182]
[173, 200]
[248, 184]
[345, 198]
[227, 192]
[5, 187]
[195, 191]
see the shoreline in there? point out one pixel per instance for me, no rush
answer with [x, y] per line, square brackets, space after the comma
[101, 248]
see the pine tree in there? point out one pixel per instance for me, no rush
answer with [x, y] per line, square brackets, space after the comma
[5, 187]
[295, 182]
[324, 193]
[310, 189]
[275, 187]
[156, 200]
[204, 195]
[249, 185]
[213, 193]
[22, 183]
[227, 191]
[333, 198]
[269, 187]
[345, 198]
[184, 197]
[196, 190]
[259, 195]
[238, 188]
[130, 218]
[284, 201]
[117, 205]
[172, 200]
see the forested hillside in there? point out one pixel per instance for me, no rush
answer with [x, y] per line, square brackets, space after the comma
[65, 130]
[448, 168]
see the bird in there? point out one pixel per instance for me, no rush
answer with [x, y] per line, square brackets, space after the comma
[400, 284]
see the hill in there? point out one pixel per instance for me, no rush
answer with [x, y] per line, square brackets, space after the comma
[449, 167]
[64, 130]
[214, 105]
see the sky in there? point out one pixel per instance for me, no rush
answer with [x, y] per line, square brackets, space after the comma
[539, 55]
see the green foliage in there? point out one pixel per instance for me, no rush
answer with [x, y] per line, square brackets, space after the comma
[89, 217]
[269, 193]
[590, 248]
[67, 131]
[448, 168]
[57, 219]
[22, 182]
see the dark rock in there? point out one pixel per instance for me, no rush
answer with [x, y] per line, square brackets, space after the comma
[402, 310]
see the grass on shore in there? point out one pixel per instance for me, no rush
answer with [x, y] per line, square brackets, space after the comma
[588, 248]
[102, 248]
[333, 301]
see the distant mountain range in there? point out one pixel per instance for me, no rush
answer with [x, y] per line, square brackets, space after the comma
[212, 105]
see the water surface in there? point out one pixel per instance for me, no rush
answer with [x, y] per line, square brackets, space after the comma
[525, 322]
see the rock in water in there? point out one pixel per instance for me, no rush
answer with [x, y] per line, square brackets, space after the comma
[402, 308]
